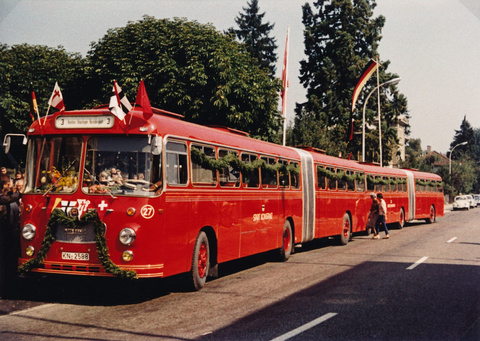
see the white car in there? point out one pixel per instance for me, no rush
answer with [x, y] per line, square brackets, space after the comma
[473, 203]
[462, 202]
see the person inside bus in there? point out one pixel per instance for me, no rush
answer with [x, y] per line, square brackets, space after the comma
[372, 215]
[382, 213]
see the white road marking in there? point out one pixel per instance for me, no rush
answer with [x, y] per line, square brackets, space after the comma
[451, 240]
[417, 263]
[305, 327]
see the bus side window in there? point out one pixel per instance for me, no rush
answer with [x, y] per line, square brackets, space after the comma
[269, 177]
[341, 183]
[332, 183]
[229, 177]
[200, 175]
[250, 178]
[177, 170]
[295, 176]
[283, 176]
[350, 183]
[360, 184]
[370, 183]
[378, 186]
[321, 178]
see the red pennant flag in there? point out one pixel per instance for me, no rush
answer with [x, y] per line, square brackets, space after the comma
[283, 93]
[143, 101]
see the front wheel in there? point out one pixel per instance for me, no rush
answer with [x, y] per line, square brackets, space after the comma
[346, 234]
[200, 261]
[401, 219]
[431, 219]
[287, 242]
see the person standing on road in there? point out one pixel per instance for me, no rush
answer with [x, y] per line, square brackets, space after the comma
[372, 215]
[382, 213]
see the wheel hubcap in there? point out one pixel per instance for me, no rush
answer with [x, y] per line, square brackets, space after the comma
[286, 239]
[202, 260]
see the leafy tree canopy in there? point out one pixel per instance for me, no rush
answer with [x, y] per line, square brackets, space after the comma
[191, 69]
[340, 38]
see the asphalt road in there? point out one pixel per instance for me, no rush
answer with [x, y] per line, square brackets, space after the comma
[421, 284]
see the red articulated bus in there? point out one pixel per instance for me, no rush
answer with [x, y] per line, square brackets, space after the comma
[157, 196]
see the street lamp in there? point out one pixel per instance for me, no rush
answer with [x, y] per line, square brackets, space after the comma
[390, 82]
[450, 158]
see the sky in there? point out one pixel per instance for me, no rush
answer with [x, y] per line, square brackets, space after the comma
[433, 45]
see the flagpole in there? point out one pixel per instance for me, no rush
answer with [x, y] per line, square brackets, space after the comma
[379, 114]
[285, 86]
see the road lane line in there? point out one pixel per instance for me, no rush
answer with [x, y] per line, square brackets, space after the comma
[417, 263]
[305, 327]
[451, 240]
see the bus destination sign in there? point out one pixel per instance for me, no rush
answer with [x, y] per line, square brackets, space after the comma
[84, 122]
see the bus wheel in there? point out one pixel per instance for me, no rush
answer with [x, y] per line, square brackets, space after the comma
[287, 242]
[200, 261]
[346, 234]
[401, 219]
[431, 219]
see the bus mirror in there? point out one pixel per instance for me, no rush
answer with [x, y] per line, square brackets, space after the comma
[7, 141]
[157, 145]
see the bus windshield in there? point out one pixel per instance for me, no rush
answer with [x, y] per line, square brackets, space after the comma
[122, 165]
[53, 164]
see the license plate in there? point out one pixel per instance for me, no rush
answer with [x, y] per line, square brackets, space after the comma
[75, 256]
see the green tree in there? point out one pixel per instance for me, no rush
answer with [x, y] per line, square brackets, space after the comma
[41, 66]
[191, 69]
[340, 38]
[465, 134]
[255, 35]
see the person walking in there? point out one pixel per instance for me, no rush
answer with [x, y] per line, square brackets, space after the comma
[382, 213]
[372, 215]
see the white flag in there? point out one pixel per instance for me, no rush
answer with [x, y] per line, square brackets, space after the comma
[116, 101]
[56, 99]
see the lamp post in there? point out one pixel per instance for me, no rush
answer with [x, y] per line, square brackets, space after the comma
[390, 82]
[450, 158]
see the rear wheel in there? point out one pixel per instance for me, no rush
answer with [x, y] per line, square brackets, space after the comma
[431, 219]
[200, 261]
[287, 242]
[346, 234]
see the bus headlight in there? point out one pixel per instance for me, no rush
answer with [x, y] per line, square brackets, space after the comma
[30, 251]
[127, 236]
[29, 231]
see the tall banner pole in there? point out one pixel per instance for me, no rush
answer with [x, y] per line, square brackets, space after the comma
[283, 94]
[379, 115]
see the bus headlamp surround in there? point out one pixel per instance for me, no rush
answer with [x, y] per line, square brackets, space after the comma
[127, 236]
[29, 231]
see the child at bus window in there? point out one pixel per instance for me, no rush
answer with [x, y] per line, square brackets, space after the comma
[372, 215]
[382, 213]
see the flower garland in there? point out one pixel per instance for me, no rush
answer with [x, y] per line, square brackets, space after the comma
[340, 175]
[59, 217]
[428, 183]
[232, 160]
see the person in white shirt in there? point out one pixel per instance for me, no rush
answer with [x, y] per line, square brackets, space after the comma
[382, 213]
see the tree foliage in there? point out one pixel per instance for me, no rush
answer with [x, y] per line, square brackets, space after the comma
[340, 38]
[191, 69]
[255, 35]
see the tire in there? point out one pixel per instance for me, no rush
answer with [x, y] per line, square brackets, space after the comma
[346, 234]
[432, 217]
[287, 242]
[200, 262]
[401, 219]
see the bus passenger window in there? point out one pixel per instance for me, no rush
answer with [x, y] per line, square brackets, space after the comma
[250, 178]
[341, 183]
[350, 183]
[321, 178]
[269, 177]
[295, 175]
[378, 186]
[370, 183]
[201, 175]
[283, 176]
[360, 184]
[176, 163]
[229, 177]
[332, 183]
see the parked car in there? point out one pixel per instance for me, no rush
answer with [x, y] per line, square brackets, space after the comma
[473, 203]
[461, 202]
[477, 198]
